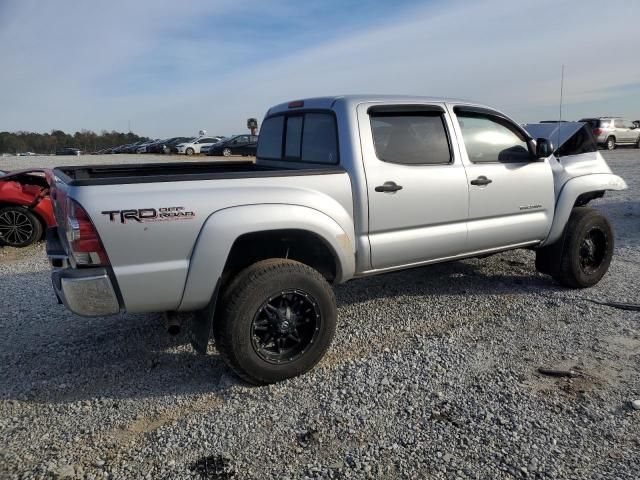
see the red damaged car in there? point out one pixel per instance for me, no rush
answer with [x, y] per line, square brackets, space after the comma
[25, 207]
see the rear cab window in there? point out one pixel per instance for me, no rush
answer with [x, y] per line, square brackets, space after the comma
[307, 137]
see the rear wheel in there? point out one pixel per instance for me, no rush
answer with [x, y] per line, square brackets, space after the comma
[638, 143]
[587, 250]
[277, 320]
[611, 143]
[19, 227]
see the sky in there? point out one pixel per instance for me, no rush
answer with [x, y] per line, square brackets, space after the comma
[167, 68]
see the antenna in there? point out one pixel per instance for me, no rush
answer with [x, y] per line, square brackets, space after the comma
[560, 119]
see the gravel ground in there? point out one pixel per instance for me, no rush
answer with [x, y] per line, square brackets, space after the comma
[433, 374]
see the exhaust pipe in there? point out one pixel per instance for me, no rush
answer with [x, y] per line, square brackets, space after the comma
[173, 322]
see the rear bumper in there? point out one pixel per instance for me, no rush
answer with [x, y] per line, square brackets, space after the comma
[85, 291]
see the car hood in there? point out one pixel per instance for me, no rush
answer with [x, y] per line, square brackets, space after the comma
[557, 133]
[16, 173]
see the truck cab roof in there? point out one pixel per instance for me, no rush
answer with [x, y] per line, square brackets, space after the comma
[329, 102]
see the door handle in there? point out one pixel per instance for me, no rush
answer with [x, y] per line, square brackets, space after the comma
[388, 187]
[481, 180]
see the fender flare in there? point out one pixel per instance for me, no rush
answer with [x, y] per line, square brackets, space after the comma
[224, 227]
[570, 192]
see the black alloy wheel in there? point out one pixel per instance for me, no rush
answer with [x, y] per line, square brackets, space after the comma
[285, 326]
[593, 250]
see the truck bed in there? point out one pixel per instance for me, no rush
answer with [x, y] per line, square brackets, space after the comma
[179, 171]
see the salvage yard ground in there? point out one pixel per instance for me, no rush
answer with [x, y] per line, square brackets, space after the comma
[433, 374]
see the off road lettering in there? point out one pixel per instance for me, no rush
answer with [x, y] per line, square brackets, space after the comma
[141, 215]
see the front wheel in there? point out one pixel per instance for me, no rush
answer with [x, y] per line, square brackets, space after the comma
[19, 227]
[587, 251]
[226, 152]
[277, 321]
[638, 143]
[189, 151]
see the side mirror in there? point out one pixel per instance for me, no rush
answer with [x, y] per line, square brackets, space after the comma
[544, 148]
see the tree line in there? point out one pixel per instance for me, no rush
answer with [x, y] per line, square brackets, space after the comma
[85, 140]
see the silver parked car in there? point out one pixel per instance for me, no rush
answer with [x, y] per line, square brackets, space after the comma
[613, 131]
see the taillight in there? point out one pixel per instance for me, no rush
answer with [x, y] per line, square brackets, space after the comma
[597, 131]
[83, 238]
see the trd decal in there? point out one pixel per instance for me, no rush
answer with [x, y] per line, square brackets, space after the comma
[150, 214]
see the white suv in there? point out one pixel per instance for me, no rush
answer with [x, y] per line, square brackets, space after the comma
[194, 146]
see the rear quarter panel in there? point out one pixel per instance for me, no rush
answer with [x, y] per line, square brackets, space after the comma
[151, 258]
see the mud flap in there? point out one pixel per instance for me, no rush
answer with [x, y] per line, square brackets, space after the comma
[548, 258]
[202, 323]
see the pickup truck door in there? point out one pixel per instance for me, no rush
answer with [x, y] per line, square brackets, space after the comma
[416, 184]
[511, 193]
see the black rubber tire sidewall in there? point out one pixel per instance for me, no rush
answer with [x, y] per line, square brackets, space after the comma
[240, 302]
[35, 223]
[189, 151]
[582, 220]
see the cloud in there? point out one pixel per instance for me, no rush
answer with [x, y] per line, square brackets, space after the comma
[173, 68]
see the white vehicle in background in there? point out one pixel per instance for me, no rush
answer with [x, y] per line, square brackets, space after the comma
[195, 146]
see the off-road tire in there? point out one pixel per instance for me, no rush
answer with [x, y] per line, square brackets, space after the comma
[610, 143]
[189, 151]
[584, 225]
[31, 233]
[244, 296]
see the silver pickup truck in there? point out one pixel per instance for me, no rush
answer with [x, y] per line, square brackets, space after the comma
[342, 187]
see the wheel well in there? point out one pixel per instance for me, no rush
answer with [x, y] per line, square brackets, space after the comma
[300, 245]
[585, 198]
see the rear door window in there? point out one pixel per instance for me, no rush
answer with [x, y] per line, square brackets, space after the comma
[410, 138]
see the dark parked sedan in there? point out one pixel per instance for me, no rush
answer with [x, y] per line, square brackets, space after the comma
[244, 145]
[68, 151]
[159, 146]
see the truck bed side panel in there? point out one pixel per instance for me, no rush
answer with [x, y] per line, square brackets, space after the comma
[150, 254]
